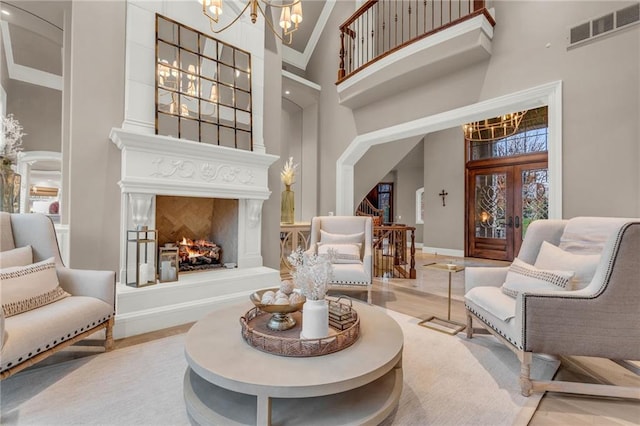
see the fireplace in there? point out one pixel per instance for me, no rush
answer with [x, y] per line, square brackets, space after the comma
[198, 192]
[204, 230]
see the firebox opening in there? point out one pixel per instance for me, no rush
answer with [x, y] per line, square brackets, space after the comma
[204, 229]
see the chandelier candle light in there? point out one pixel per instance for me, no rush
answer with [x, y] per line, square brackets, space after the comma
[290, 15]
[495, 128]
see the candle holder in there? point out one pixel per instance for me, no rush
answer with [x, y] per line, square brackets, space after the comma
[142, 242]
[168, 263]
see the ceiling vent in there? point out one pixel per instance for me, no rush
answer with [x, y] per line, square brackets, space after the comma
[605, 24]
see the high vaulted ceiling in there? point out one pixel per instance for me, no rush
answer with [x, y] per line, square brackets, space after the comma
[32, 34]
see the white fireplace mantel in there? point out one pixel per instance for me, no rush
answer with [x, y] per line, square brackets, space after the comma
[164, 165]
[160, 165]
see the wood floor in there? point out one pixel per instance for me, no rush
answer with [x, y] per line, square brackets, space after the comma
[427, 296]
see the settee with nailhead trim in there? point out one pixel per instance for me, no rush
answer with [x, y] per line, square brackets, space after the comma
[31, 336]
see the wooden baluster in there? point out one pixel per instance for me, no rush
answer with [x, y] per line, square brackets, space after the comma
[412, 269]
[341, 71]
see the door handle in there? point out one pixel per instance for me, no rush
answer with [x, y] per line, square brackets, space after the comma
[510, 222]
[517, 221]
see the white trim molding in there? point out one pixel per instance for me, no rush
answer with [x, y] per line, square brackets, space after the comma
[549, 94]
[24, 73]
[300, 60]
[420, 206]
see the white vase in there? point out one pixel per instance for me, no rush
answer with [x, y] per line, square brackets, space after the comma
[315, 319]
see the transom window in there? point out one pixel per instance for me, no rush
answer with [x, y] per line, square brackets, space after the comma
[531, 137]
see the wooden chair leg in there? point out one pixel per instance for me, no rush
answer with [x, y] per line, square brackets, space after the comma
[469, 325]
[369, 300]
[526, 387]
[108, 341]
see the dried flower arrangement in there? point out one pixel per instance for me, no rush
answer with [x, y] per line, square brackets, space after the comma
[312, 274]
[288, 173]
[11, 142]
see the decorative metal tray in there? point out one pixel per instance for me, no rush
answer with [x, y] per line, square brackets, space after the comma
[288, 342]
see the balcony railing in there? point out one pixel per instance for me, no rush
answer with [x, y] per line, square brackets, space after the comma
[381, 27]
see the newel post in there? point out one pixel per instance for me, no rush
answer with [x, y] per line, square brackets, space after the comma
[478, 4]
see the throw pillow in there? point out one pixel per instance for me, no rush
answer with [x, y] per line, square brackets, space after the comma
[21, 256]
[584, 265]
[329, 238]
[343, 253]
[523, 277]
[588, 235]
[28, 287]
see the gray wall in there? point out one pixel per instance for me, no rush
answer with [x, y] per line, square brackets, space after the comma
[601, 82]
[410, 178]
[39, 111]
[273, 142]
[444, 225]
[97, 105]
[337, 125]
[371, 167]
[291, 136]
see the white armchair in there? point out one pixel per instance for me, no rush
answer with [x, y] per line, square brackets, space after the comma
[591, 310]
[33, 333]
[353, 269]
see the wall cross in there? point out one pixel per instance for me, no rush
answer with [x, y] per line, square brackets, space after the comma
[443, 194]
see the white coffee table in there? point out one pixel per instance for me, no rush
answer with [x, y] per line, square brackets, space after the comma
[230, 382]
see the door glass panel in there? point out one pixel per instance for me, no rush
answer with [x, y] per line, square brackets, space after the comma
[491, 205]
[535, 196]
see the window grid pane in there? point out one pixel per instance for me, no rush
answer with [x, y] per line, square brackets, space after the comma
[203, 87]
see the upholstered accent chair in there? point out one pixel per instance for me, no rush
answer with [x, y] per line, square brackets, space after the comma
[45, 305]
[533, 306]
[351, 237]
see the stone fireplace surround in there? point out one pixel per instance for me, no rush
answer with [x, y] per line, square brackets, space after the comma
[161, 165]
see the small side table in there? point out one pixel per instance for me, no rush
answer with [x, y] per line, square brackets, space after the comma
[439, 324]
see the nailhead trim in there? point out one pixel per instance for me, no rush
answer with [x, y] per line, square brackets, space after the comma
[489, 324]
[5, 367]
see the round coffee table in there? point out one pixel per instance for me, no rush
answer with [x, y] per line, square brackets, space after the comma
[230, 382]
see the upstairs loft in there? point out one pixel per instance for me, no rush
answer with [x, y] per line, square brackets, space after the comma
[386, 44]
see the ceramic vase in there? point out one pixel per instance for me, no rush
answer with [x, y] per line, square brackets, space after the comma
[315, 319]
[287, 205]
[9, 188]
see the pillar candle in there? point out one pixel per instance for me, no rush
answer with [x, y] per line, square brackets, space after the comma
[143, 273]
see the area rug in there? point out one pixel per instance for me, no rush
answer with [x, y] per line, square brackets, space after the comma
[448, 380]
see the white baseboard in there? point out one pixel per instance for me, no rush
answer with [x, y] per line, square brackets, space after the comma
[443, 251]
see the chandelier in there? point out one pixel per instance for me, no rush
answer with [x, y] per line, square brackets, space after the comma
[290, 15]
[492, 129]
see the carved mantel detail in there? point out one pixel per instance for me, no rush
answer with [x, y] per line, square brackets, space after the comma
[206, 171]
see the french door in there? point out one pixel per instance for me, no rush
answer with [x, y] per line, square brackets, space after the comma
[503, 198]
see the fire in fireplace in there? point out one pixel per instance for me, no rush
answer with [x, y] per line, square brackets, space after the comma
[197, 255]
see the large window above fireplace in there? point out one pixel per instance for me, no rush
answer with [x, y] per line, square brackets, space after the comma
[203, 87]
